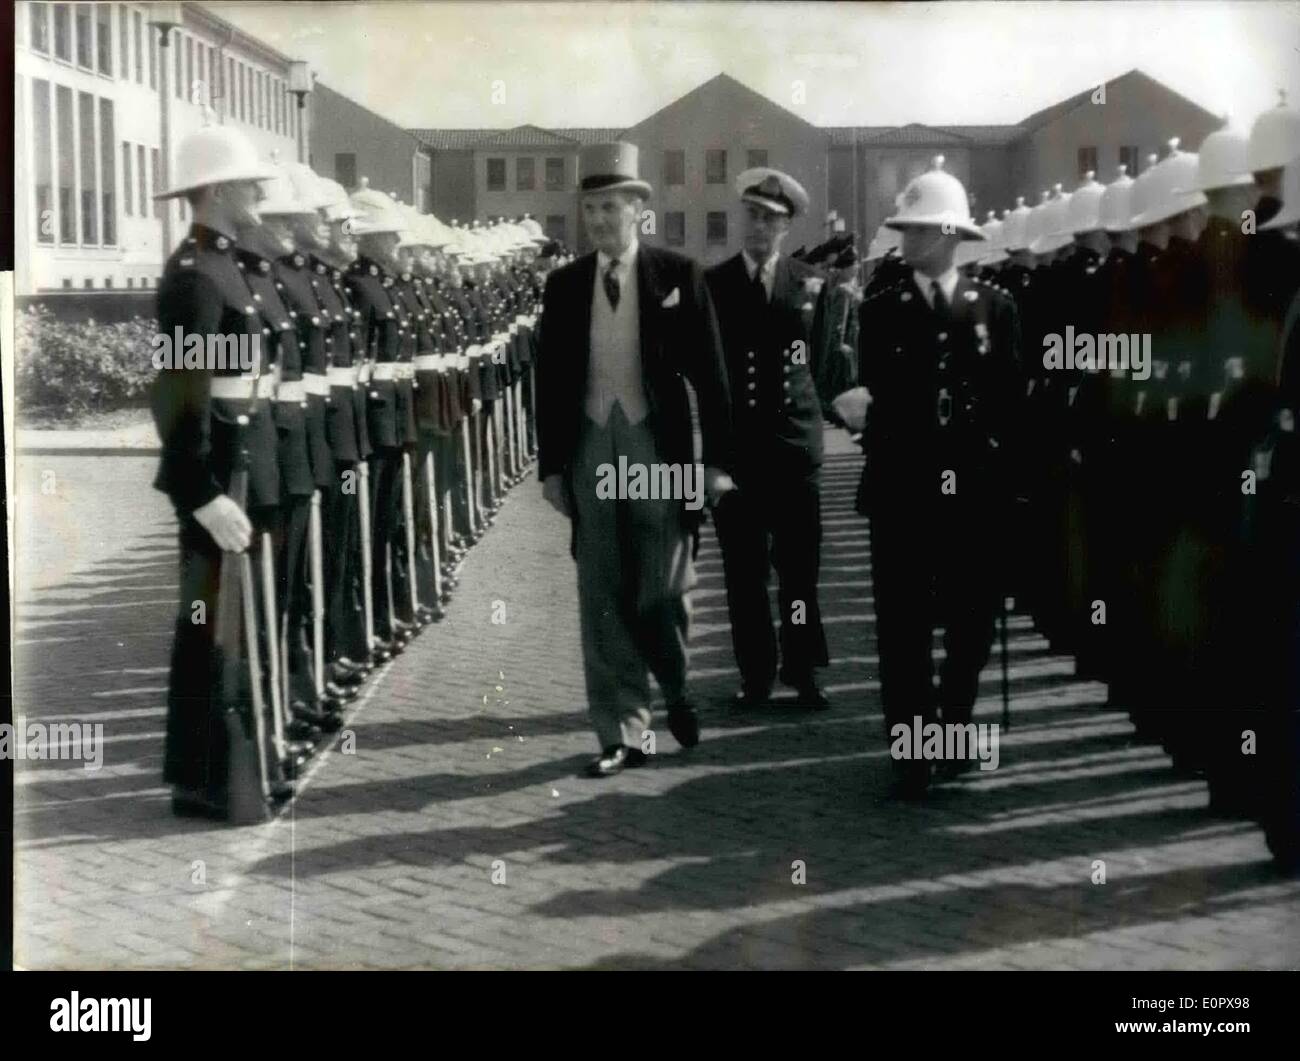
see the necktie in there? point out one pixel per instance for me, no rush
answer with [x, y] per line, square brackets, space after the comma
[612, 290]
[760, 292]
[940, 300]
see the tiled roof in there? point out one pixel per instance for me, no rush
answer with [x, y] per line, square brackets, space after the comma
[919, 135]
[520, 136]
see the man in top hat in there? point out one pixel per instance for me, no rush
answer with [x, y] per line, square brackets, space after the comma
[774, 517]
[627, 327]
[938, 354]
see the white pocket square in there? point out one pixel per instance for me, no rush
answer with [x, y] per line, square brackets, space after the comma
[674, 297]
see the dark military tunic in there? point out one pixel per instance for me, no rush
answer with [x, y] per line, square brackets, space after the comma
[936, 483]
[777, 418]
[294, 283]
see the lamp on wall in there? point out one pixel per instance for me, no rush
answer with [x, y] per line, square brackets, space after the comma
[300, 84]
[164, 18]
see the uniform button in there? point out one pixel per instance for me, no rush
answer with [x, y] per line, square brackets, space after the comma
[751, 355]
[315, 320]
[943, 336]
[753, 386]
[249, 309]
[785, 369]
[789, 402]
[786, 385]
[752, 370]
[257, 297]
[752, 403]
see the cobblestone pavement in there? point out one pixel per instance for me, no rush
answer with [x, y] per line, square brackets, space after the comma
[446, 826]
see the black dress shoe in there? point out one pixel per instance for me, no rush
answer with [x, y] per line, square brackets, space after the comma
[750, 700]
[614, 760]
[301, 729]
[344, 676]
[811, 697]
[280, 791]
[196, 803]
[683, 724]
[342, 693]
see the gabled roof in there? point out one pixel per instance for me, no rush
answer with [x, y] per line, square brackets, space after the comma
[1079, 99]
[725, 80]
[525, 136]
[451, 139]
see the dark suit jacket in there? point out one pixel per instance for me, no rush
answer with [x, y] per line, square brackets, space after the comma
[778, 416]
[679, 345]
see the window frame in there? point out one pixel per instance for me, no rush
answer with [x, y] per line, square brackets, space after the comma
[712, 175]
[520, 161]
[750, 162]
[710, 216]
[558, 185]
[669, 217]
[489, 167]
[674, 155]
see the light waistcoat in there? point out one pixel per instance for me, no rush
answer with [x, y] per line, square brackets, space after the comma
[615, 371]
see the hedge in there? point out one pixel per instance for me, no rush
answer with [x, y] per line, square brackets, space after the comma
[73, 368]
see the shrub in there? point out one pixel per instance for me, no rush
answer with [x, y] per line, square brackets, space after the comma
[75, 367]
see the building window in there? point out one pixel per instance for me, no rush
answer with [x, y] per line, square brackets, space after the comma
[65, 153]
[555, 174]
[124, 39]
[675, 228]
[204, 96]
[556, 227]
[496, 174]
[40, 28]
[674, 167]
[41, 119]
[189, 70]
[755, 156]
[128, 185]
[214, 78]
[89, 183]
[715, 165]
[151, 37]
[104, 38]
[1087, 160]
[108, 172]
[179, 88]
[524, 174]
[137, 50]
[63, 32]
[85, 37]
[715, 227]
[345, 170]
[155, 177]
[144, 189]
[1128, 156]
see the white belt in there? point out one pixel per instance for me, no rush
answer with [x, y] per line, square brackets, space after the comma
[364, 371]
[240, 388]
[520, 320]
[405, 370]
[342, 377]
[291, 390]
[384, 370]
[514, 326]
[473, 350]
[428, 362]
[317, 383]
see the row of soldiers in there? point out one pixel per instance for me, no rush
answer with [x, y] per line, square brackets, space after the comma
[1156, 472]
[328, 486]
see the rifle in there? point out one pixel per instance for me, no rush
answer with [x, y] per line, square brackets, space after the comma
[317, 597]
[247, 784]
[436, 556]
[367, 589]
[408, 518]
[1006, 679]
